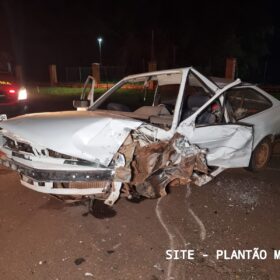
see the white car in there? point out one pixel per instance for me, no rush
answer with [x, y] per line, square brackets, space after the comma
[148, 131]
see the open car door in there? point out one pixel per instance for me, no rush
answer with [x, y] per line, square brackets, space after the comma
[87, 96]
[228, 144]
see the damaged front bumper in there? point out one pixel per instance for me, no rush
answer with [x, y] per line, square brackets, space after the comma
[92, 183]
[142, 169]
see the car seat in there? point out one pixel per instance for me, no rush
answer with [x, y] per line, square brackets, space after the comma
[192, 104]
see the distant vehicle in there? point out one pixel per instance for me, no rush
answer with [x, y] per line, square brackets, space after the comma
[147, 132]
[13, 97]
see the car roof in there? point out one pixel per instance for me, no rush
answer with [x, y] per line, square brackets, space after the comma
[222, 82]
[160, 72]
[219, 81]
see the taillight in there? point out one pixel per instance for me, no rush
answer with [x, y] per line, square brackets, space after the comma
[12, 91]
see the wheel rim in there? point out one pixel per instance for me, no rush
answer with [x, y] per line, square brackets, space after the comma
[262, 155]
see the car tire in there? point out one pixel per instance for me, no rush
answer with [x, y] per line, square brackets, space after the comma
[261, 155]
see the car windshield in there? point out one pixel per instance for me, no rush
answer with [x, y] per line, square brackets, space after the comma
[130, 96]
[144, 97]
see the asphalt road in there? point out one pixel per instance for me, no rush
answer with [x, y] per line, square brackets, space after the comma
[44, 238]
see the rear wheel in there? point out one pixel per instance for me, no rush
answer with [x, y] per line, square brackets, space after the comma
[261, 155]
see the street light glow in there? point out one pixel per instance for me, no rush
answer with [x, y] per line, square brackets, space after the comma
[100, 43]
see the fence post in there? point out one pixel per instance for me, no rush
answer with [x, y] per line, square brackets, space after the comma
[152, 66]
[80, 74]
[95, 68]
[18, 72]
[230, 68]
[53, 74]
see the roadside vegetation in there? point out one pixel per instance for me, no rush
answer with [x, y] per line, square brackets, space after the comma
[129, 97]
[60, 91]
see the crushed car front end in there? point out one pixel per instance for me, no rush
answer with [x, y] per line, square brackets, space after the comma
[133, 162]
[72, 166]
[47, 171]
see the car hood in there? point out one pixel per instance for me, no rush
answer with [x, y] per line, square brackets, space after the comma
[94, 136]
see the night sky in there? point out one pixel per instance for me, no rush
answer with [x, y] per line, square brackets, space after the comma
[38, 33]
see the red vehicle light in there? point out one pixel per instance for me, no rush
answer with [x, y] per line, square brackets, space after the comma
[12, 91]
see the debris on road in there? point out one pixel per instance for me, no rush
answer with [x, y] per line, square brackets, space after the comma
[117, 246]
[158, 267]
[79, 261]
[88, 274]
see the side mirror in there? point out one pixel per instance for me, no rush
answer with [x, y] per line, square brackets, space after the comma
[81, 104]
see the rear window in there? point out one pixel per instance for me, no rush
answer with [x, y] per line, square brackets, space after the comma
[245, 102]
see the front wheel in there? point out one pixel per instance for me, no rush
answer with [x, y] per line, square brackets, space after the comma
[261, 155]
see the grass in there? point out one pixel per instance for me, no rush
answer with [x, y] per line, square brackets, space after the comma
[60, 91]
[76, 91]
[133, 98]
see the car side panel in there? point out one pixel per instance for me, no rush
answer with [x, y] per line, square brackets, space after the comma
[228, 145]
[265, 123]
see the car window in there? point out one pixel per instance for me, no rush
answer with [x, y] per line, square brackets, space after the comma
[167, 95]
[196, 94]
[151, 98]
[130, 96]
[212, 114]
[245, 102]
